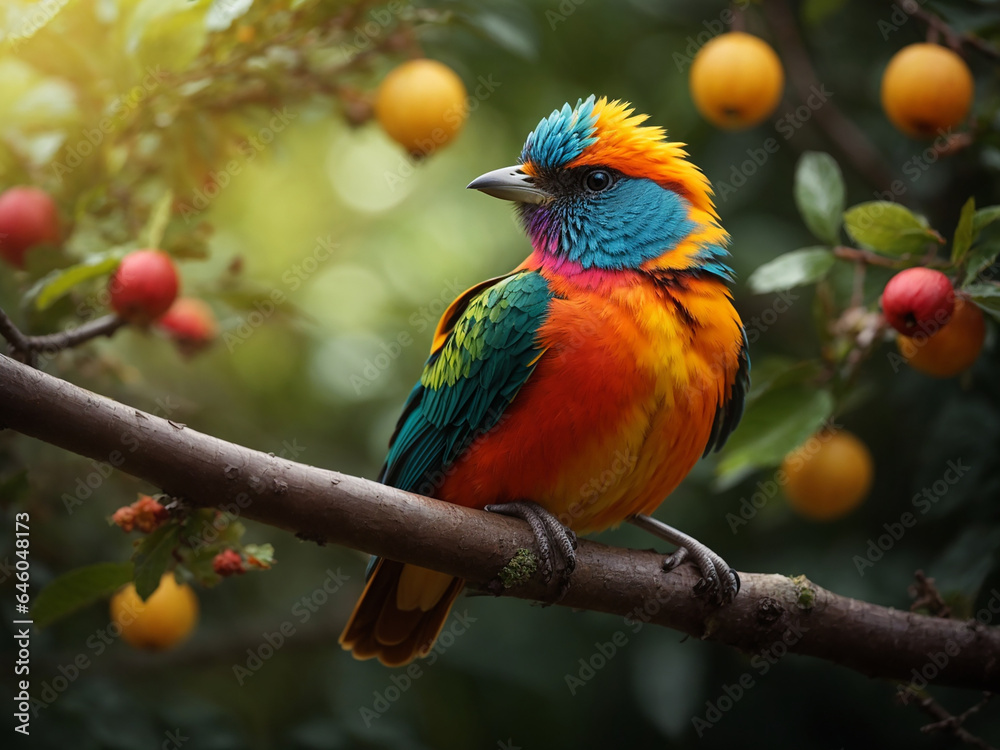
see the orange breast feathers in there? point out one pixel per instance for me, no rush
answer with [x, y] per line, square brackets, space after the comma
[620, 407]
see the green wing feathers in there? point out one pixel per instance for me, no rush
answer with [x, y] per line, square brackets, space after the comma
[485, 349]
[468, 382]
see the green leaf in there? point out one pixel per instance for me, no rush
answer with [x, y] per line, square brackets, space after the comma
[264, 553]
[889, 228]
[819, 195]
[964, 232]
[509, 27]
[983, 218]
[987, 296]
[981, 257]
[166, 34]
[77, 589]
[775, 424]
[55, 284]
[805, 266]
[152, 558]
[781, 372]
[152, 233]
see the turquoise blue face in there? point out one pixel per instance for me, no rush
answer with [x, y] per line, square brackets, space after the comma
[600, 218]
[616, 228]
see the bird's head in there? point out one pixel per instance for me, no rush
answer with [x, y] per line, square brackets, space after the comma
[598, 191]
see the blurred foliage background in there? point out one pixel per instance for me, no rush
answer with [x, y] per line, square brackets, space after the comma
[367, 247]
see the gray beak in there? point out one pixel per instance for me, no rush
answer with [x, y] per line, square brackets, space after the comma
[511, 184]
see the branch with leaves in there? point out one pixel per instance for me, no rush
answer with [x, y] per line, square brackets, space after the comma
[326, 506]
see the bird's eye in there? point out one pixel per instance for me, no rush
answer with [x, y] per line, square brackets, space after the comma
[598, 180]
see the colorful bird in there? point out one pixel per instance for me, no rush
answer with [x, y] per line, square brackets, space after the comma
[578, 390]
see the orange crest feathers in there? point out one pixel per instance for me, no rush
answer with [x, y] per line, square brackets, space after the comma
[643, 151]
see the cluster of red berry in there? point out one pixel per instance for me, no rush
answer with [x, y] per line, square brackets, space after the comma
[142, 290]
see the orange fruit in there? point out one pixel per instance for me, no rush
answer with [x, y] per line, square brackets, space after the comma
[951, 350]
[828, 476]
[422, 105]
[736, 80]
[158, 623]
[926, 89]
[245, 33]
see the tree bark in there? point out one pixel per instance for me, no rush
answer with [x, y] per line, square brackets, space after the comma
[771, 614]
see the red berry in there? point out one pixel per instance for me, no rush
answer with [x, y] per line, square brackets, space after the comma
[28, 217]
[228, 563]
[144, 286]
[191, 323]
[918, 300]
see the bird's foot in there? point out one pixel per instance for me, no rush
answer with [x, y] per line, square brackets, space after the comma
[719, 582]
[556, 543]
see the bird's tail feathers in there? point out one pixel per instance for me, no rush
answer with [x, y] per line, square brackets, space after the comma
[400, 613]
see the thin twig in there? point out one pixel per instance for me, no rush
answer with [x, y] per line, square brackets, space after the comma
[17, 340]
[27, 347]
[956, 40]
[105, 326]
[926, 596]
[946, 722]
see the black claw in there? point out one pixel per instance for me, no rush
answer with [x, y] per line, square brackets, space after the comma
[719, 583]
[556, 543]
[675, 559]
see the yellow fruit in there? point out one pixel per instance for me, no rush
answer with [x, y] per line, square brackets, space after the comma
[163, 620]
[951, 350]
[926, 89]
[245, 34]
[422, 105]
[828, 476]
[736, 80]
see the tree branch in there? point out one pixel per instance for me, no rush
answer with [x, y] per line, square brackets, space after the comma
[328, 506]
